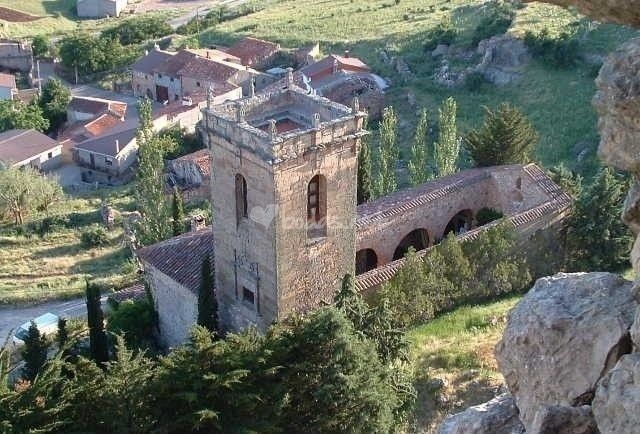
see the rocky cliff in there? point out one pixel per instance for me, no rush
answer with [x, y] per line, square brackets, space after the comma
[570, 353]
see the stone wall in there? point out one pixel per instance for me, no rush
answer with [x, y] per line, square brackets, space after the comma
[176, 305]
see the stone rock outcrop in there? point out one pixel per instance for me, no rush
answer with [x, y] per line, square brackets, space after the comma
[565, 334]
[503, 59]
[556, 419]
[616, 405]
[615, 11]
[498, 416]
[635, 332]
[617, 102]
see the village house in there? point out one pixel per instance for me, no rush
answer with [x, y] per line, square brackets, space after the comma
[168, 77]
[16, 56]
[20, 148]
[111, 154]
[7, 86]
[100, 8]
[286, 227]
[86, 108]
[255, 53]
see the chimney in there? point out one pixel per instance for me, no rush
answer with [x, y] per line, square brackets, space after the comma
[117, 146]
[346, 53]
[208, 55]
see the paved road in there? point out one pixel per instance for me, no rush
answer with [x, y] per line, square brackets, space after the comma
[201, 11]
[12, 317]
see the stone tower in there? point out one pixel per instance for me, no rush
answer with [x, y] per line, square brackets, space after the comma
[284, 202]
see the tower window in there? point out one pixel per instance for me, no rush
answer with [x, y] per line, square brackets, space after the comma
[317, 207]
[241, 198]
[248, 296]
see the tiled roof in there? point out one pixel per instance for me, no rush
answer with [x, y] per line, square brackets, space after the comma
[135, 292]
[180, 258]
[149, 62]
[20, 145]
[7, 80]
[102, 124]
[349, 63]
[199, 68]
[97, 106]
[174, 63]
[252, 50]
[201, 158]
[212, 53]
[106, 145]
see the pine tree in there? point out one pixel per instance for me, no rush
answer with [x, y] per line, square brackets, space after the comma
[349, 301]
[54, 101]
[34, 353]
[388, 154]
[98, 345]
[418, 170]
[447, 148]
[177, 212]
[506, 137]
[155, 223]
[207, 303]
[597, 239]
[365, 175]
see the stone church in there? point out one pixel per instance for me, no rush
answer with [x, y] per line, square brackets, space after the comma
[286, 227]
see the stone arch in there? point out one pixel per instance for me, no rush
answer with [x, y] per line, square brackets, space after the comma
[417, 238]
[459, 223]
[242, 208]
[317, 207]
[366, 260]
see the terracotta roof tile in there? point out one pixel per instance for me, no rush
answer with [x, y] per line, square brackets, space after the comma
[148, 63]
[135, 292]
[252, 51]
[102, 124]
[180, 258]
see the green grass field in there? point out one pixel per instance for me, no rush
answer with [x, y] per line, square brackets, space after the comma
[557, 101]
[57, 264]
[458, 348]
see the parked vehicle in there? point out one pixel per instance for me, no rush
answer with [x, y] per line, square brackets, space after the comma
[47, 324]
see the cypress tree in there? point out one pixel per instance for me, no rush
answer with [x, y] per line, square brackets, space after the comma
[207, 303]
[447, 148]
[365, 179]
[62, 337]
[177, 211]
[388, 153]
[98, 346]
[34, 353]
[418, 170]
[506, 137]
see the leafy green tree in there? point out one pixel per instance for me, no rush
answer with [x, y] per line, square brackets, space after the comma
[386, 181]
[98, 345]
[34, 353]
[138, 29]
[447, 148]
[597, 239]
[506, 137]
[177, 210]
[87, 54]
[134, 320]
[54, 101]
[155, 224]
[207, 303]
[568, 180]
[39, 46]
[23, 190]
[419, 161]
[16, 115]
[351, 303]
[365, 170]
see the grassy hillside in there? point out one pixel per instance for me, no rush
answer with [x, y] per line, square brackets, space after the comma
[458, 349]
[557, 101]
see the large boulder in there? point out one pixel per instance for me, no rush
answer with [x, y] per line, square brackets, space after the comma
[615, 11]
[555, 419]
[616, 405]
[617, 102]
[503, 59]
[565, 334]
[498, 416]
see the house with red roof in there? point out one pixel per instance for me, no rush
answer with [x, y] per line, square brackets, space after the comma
[255, 53]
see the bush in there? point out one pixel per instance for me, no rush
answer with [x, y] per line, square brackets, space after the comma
[496, 22]
[487, 215]
[474, 81]
[134, 320]
[94, 237]
[140, 29]
[560, 52]
[443, 33]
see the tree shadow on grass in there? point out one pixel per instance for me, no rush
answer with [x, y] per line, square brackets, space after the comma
[103, 265]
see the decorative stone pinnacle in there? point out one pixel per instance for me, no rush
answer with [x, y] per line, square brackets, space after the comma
[240, 112]
[273, 130]
[289, 78]
[316, 120]
[356, 104]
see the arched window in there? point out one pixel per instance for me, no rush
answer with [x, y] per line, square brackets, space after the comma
[317, 207]
[460, 222]
[418, 239]
[242, 211]
[366, 260]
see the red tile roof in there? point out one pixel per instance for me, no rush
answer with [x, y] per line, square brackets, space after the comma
[201, 158]
[135, 293]
[19, 145]
[253, 51]
[102, 124]
[323, 67]
[148, 63]
[180, 258]
[97, 106]
[7, 80]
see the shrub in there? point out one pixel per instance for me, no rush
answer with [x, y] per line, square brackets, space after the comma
[443, 33]
[560, 52]
[487, 215]
[140, 29]
[94, 237]
[496, 22]
[134, 320]
[474, 81]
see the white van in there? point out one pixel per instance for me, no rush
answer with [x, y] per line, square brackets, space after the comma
[47, 324]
